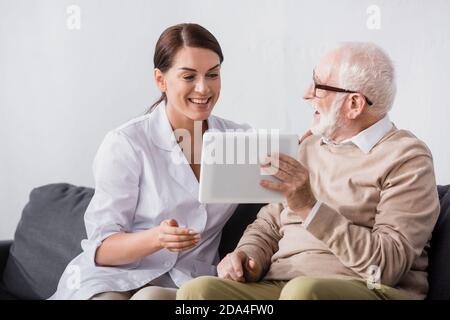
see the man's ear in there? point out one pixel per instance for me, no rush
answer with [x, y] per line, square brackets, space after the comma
[356, 106]
[160, 79]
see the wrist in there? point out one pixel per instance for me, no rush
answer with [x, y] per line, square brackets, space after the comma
[305, 209]
[153, 240]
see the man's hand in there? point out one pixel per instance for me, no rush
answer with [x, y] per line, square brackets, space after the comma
[294, 181]
[238, 266]
[174, 238]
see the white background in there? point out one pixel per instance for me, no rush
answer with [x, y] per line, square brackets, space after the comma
[61, 90]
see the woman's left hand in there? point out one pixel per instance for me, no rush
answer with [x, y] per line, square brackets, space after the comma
[175, 238]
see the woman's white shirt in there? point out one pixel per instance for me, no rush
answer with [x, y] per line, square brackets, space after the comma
[142, 178]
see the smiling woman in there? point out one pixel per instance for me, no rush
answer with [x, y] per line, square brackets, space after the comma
[187, 71]
[146, 231]
[189, 37]
[192, 85]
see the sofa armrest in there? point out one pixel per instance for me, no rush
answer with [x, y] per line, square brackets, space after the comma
[4, 254]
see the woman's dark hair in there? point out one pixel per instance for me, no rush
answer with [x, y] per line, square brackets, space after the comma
[176, 37]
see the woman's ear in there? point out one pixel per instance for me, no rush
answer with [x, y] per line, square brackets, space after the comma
[159, 79]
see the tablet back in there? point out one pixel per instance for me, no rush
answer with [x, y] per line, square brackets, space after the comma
[230, 171]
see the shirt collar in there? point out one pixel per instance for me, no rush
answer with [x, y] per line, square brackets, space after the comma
[368, 138]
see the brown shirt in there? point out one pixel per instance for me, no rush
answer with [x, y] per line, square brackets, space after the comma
[378, 210]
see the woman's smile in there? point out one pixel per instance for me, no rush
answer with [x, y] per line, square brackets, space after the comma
[201, 103]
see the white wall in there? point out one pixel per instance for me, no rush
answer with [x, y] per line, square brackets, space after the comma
[61, 90]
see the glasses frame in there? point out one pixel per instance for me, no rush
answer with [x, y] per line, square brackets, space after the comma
[335, 89]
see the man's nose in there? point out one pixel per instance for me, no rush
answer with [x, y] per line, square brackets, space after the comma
[201, 86]
[309, 92]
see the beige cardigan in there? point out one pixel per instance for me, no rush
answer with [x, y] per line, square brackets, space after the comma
[378, 209]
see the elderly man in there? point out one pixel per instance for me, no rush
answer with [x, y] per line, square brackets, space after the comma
[361, 200]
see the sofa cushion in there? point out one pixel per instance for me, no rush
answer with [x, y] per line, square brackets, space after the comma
[236, 225]
[439, 255]
[49, 233]
[47, 238]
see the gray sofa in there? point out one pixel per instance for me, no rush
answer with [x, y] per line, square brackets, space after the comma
[49, 233]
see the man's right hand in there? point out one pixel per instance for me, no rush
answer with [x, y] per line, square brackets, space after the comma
[238, 266]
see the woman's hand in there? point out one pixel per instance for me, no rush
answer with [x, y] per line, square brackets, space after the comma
[176, 239]
[124, 248]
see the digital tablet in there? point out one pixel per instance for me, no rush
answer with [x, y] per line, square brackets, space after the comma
[230, 165]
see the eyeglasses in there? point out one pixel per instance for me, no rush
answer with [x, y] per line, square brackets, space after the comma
[320, 88]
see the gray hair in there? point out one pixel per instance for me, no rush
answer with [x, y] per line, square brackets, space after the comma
[367, 69]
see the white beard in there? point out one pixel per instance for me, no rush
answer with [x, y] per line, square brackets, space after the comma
[328, 122]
